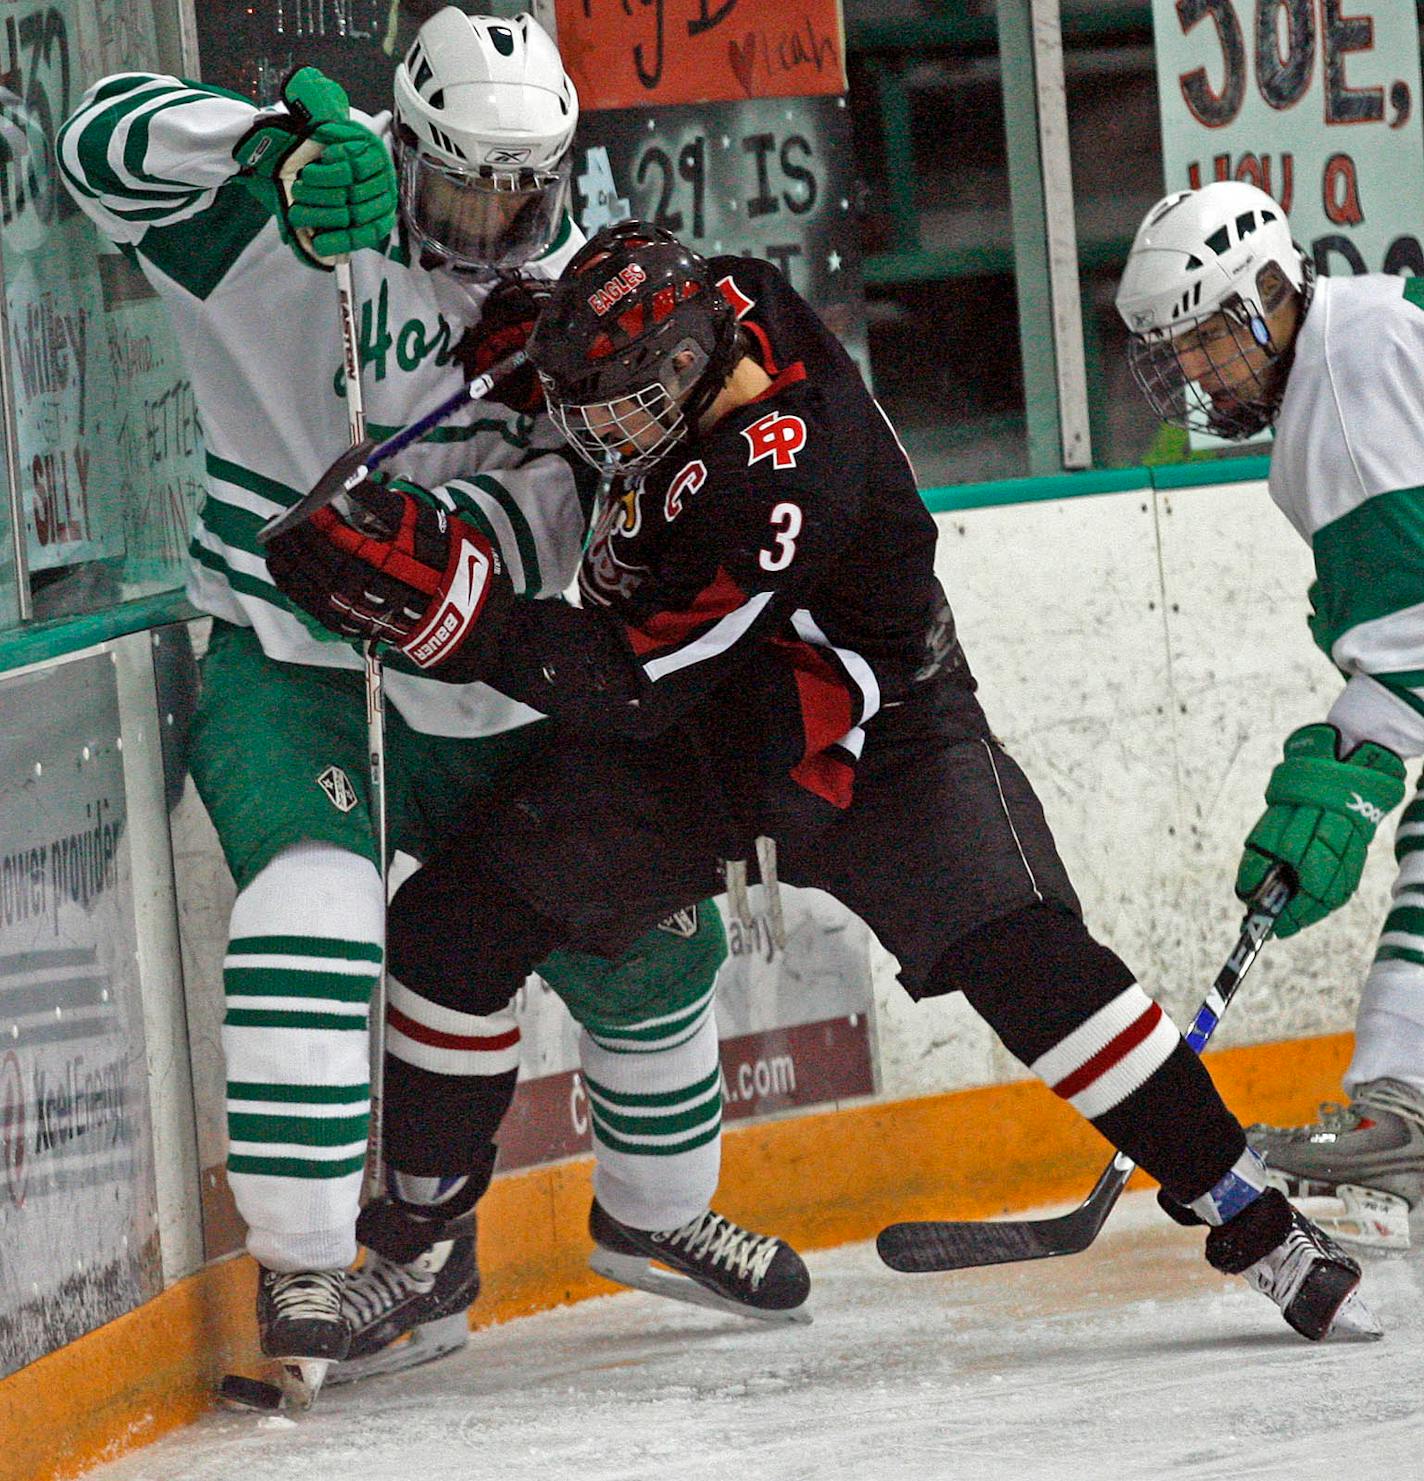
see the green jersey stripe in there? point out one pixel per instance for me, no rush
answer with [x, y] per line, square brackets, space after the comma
[650, 1030]
[300, 1131]
[623, 1039]
[1369, 565]
[652, 1046]
[295, 1167]
[283, 1018]
[615, 1143]
[278, 982]
[1402, 690]
[699, 1089]
[523, 535]
[96, 140]
[655, 1127]
[197, 254]
[1408, 918]
[315, 946]
[254, 483]
[1400, 954]
[239, 580]
[135, 154]
[315, 1095]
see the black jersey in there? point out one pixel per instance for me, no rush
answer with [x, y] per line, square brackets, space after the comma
[768, 589]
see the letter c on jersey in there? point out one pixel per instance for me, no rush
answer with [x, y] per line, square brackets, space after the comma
[688, 481]
[775, 436]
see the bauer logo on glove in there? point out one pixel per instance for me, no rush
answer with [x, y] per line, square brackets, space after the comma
[387, 564]
[467, 585]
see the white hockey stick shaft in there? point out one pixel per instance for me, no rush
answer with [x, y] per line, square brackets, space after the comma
[375, 734]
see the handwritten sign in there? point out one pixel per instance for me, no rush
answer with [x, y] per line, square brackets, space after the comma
[1317, 106]
[630, 53]
[109, 454]
[771, 178]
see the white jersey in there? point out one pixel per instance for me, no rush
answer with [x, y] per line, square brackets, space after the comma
[1347, 470]
[149, 159]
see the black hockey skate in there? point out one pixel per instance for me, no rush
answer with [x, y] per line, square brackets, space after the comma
[404, 1312]
[711, 1262]
[301, 1325]
[1284, 1256]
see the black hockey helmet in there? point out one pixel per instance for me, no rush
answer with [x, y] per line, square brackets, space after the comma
[633, 346]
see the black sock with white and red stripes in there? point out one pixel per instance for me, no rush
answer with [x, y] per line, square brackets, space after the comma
[1070, 1010]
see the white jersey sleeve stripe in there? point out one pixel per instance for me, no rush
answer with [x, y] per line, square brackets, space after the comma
[718, 638]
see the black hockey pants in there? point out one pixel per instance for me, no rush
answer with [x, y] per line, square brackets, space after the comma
[945, 853]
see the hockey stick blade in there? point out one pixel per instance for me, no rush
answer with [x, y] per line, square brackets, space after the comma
[921, 1246]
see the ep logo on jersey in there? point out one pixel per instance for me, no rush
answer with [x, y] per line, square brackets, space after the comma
[776, 436]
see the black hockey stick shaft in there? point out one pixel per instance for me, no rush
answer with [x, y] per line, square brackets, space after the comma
[947, 1244]
[357, 463]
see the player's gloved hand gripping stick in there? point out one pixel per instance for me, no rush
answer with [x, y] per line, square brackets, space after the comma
[942, 1244]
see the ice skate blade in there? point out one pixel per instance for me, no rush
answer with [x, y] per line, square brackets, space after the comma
[301, 1379]
[423, 1345]
[1365, 1219]
[1354, 1322]
[636, 1272]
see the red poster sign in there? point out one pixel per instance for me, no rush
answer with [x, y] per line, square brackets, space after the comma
[636, 53]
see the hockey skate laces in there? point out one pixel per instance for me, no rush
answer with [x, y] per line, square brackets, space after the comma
[306, 1293]
[1282, 1278]
[722, 1242]
[381, 1284]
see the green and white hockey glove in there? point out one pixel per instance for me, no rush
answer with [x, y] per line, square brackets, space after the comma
[329, 181]
[1322, 811]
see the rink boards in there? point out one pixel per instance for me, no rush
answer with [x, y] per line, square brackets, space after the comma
[1142, 653]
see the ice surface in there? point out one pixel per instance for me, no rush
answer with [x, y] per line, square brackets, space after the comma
[1133, 1360]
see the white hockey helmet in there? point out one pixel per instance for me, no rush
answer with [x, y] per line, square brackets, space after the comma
[485, 115]
[1197, 254]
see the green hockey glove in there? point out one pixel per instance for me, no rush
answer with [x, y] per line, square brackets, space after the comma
[1322, 811]
[328, 180]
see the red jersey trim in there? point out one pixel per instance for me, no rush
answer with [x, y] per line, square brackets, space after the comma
[718, 599]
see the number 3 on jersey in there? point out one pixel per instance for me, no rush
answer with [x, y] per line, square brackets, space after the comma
[786, 521]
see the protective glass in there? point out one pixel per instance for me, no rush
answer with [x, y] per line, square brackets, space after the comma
[485, 220]
[1217, 374]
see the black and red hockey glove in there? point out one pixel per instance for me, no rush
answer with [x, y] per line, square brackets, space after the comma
[398, 569]
[506, 321]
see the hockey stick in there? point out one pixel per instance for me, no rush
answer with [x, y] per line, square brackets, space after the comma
[946, 1244]
[364, 456]
[375, 733]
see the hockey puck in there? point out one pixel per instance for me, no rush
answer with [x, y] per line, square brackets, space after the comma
[249, 1393]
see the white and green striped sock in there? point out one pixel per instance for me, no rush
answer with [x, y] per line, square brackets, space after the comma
[303, 955]
[1389, 1026]
[655, 1095]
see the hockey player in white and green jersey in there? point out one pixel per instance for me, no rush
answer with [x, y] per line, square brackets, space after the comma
[1232, 333]
[200, 189]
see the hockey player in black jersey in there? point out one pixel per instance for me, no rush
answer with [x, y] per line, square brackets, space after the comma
[762, 652]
